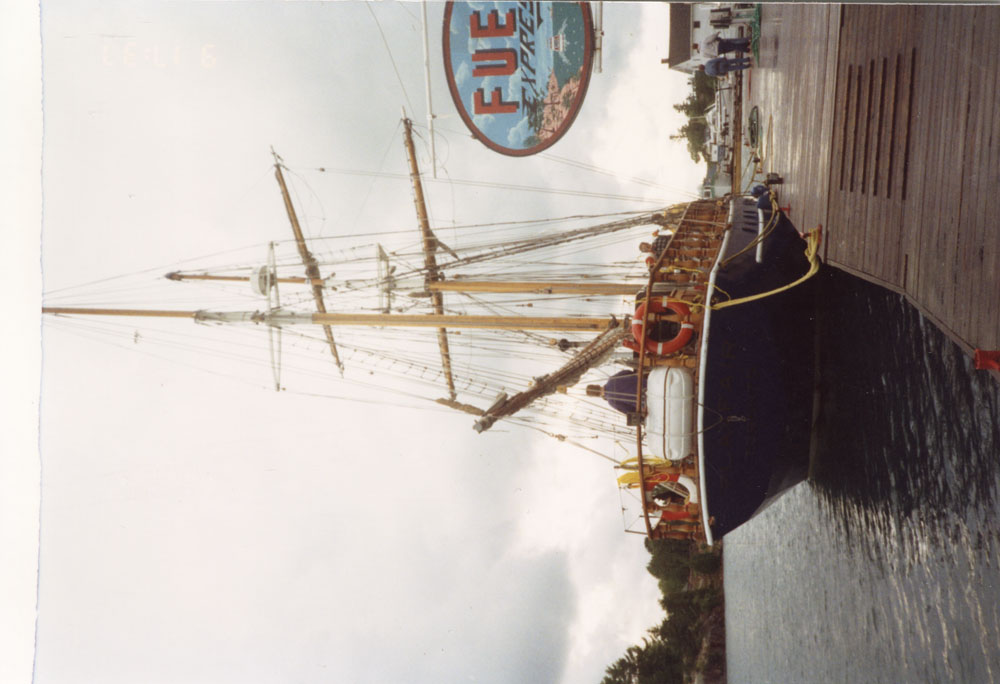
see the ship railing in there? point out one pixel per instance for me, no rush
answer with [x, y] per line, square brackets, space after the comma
[681, 272]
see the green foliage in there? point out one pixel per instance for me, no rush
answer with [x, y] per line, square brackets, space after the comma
[654, 662]
[669, 563]
[661, 664]
[669, 558]
[685, 613]
[674, 582]
[695, 131]
[703, 86]
[707, 563]
[696, 134]
[673, 646]
[702, 96]
[658, 546]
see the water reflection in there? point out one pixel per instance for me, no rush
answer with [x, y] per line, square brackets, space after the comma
[885, 567]
[907, 429]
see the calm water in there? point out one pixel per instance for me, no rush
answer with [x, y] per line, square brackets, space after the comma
[886, 566]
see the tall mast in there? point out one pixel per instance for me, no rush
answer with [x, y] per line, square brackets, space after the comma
[356, 319]
[308, 260]
[460, 285]
[534, 287]
[430, 246]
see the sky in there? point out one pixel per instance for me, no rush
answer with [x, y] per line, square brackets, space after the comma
[194, 525]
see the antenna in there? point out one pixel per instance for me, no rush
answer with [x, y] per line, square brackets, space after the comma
[427, 84]
[599, 38]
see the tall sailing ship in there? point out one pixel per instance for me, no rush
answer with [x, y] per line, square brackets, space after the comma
[691, 368]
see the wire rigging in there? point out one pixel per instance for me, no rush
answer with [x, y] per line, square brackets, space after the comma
[504, 186]
[391, 59]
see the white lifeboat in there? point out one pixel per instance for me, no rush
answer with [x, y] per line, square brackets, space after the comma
[670, 403]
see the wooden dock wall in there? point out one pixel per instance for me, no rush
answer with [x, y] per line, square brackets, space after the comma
[885, 121]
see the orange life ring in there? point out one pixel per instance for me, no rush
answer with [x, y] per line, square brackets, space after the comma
[662, 305]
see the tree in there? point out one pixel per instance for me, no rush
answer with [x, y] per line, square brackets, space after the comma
[672, 648]
[696, 134]
[706, 563]
[654, 662]
[695, 131]
[669, 563]
[703, 86]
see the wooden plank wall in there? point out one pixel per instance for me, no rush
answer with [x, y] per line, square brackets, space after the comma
[793, 86]
[911, 153]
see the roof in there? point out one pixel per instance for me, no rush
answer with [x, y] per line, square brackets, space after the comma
[680, 33]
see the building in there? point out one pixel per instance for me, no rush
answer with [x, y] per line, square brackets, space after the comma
[691, 23]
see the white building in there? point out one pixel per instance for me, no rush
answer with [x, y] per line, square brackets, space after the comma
[691, 23]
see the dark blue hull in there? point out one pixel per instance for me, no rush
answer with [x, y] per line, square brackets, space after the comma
[759, 377]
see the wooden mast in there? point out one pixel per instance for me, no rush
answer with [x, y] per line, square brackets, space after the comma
[356, 319]
[497, 286]
[308, 260]
[535, 287]
[430, 262]
[595, 352]
[177, 275]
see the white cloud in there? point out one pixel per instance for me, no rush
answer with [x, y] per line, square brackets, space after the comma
[463, 73]
[194, 528]
[640, 100]
[518, 133]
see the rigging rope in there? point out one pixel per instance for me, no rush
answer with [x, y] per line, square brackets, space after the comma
[499, 186]
[389, 52]
[812, 255]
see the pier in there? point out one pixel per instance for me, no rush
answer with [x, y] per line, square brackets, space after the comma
[883, 122]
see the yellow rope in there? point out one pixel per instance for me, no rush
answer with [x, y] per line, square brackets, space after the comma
[812, 254]
[633, 462]
[812, 237]
[728, 296]
[770, 135]
[672, 267]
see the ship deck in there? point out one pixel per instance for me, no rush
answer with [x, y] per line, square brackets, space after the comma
[887, 133]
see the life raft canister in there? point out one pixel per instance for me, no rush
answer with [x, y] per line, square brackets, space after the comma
[661, 305]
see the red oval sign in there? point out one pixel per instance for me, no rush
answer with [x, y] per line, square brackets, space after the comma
[518, 71]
